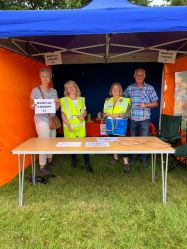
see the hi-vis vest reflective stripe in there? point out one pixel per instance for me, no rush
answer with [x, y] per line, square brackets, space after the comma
[119, 108]
[71, 113]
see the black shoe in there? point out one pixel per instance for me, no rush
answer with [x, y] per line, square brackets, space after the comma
[126, 168]
[39, 179]
[89, 168]
[44, 171]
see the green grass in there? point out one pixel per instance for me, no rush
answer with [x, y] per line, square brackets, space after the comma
[108, 209]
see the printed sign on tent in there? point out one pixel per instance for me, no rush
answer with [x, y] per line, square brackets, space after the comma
[167, 56]
[44, 106]
[53, 58]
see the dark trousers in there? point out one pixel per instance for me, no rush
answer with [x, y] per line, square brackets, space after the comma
[85, 156]
[139, 128]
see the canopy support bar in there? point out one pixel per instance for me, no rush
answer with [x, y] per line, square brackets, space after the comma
[108, 37]
[131, 52]
[19, 47]
[81, 52]
[39, 43]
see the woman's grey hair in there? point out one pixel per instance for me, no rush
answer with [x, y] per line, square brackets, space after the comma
[46, 70]
[120, 88]
[71, 83]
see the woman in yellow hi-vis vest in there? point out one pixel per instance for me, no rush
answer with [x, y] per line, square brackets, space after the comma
[117, 107]
[73, 115]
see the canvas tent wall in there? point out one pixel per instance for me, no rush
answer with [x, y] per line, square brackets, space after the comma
[104, 32]
[18, 75]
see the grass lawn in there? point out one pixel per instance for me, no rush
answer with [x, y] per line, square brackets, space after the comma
[107, 209]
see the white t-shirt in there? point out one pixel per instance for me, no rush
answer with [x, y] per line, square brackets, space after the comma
[75, 102]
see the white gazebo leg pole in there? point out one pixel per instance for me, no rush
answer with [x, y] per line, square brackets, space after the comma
[22, 182]
[163, 178]
[166, 174]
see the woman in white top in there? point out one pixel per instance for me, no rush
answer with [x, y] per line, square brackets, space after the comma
[73, 115]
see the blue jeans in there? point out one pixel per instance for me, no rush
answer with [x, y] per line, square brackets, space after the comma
[139, 128]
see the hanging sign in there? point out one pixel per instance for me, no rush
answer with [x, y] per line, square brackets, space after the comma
[53, 58]
[167, 56]
[44, 106]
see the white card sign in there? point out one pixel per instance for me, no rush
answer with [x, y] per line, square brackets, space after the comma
[97, 144]
[103, 129]
[107, 139]
[53, 58]
[68, 144]
[44, 106]
[167, 56]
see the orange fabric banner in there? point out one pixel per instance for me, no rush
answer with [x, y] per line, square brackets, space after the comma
[18, 75]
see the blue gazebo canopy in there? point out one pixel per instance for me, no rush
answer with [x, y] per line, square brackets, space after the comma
[109, 4]
[104, 30]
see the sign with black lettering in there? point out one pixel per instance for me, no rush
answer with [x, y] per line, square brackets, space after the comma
[44, 106]
[53, 58]
[167, 56]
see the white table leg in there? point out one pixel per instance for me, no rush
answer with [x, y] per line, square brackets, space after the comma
[152, 165]
[163, 178]
[21, 178]
[19, 172]
[153, 159]
[165, 182]
[33, 169]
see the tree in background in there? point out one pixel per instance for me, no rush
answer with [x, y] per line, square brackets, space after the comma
[66, 4]
[141, 2]
[176, 2]
[41, 4]
[53, 4]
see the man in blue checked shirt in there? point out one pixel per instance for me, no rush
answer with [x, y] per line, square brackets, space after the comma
[143, 98]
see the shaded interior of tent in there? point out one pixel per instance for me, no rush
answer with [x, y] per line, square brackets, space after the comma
[95, 53]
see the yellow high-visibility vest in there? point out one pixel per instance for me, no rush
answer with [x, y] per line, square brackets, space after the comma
[72, 114]
[119, 108]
